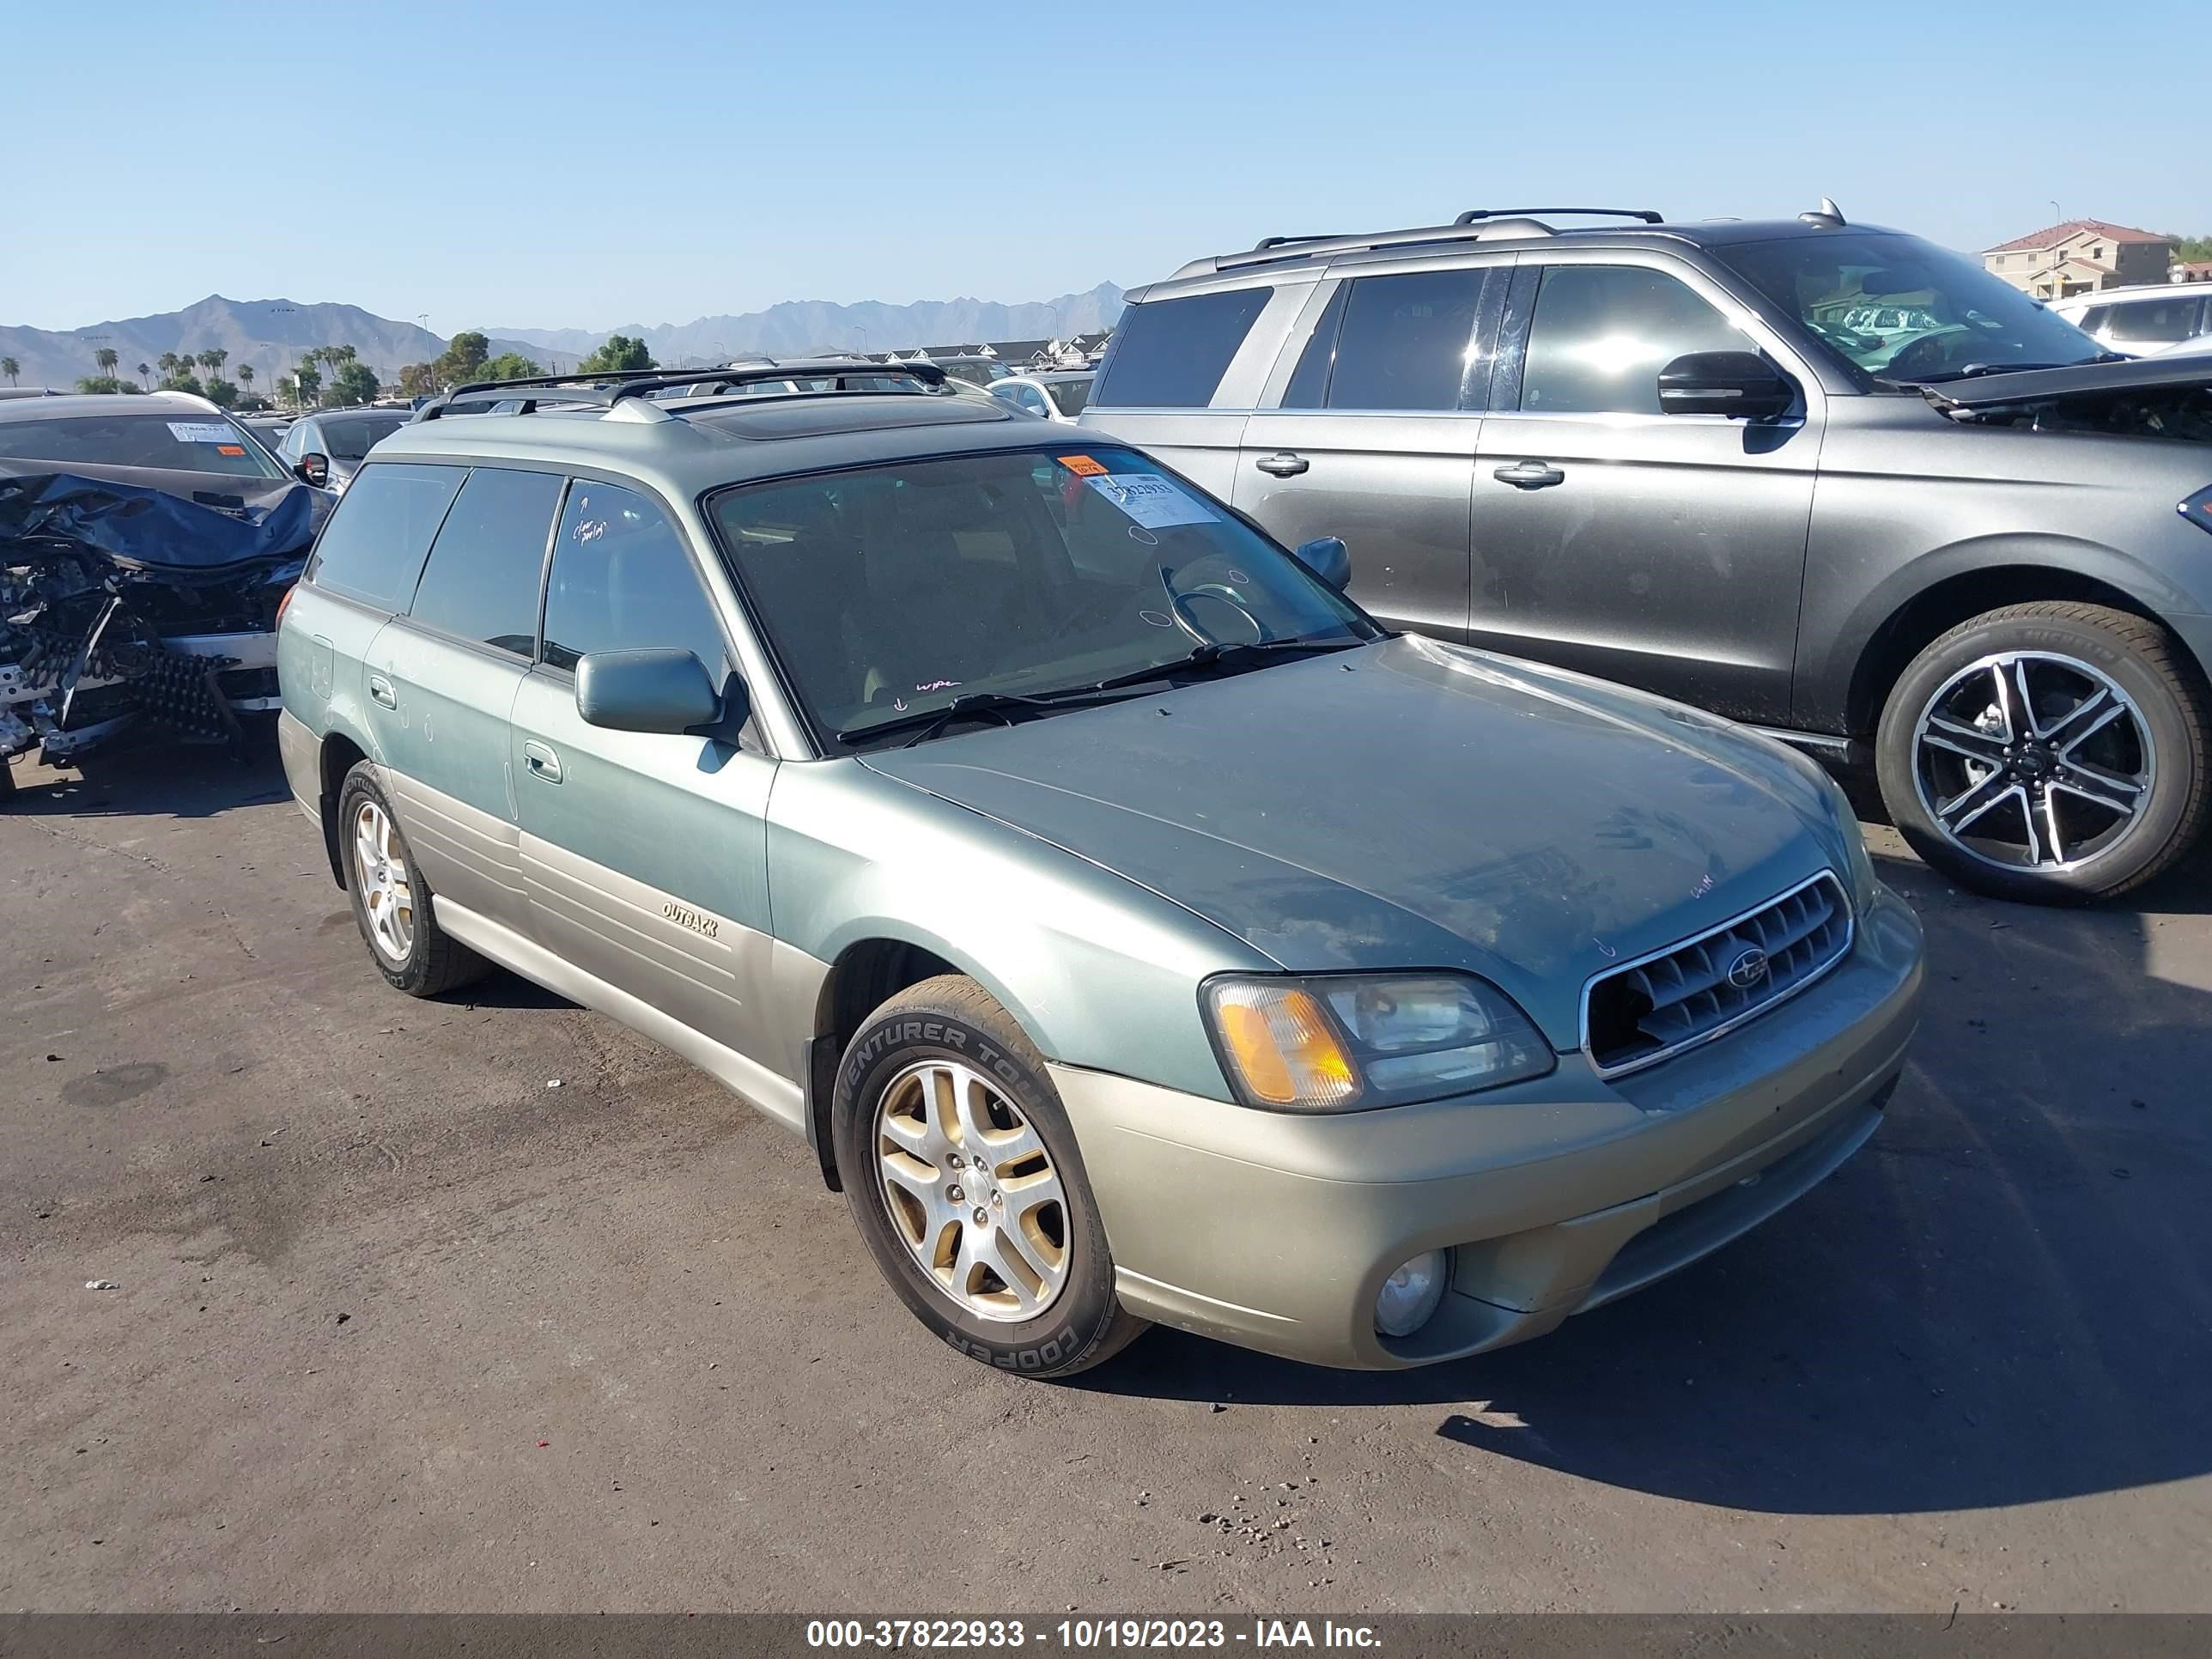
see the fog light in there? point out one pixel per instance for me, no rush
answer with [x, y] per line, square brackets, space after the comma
[1410, 1296]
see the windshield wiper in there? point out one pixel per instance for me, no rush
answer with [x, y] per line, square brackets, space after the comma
[1002, 705]
[1975, 371]
[1234, 652]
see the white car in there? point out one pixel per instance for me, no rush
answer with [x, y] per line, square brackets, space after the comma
[2149, 320]
[1053, 394]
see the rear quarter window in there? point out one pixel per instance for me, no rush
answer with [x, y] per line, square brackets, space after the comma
[380, 531]
[484, 575]
[1171, 354]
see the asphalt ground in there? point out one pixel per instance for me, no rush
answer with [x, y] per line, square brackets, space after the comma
[399, 1325]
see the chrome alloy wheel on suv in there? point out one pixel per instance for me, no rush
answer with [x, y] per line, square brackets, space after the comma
[971, 1188]
[2033, 760]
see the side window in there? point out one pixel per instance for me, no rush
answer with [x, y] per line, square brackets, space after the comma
[1172, 353]
[621, 581]
[294, 434]
[2093, 318]
[1601, 334]
[482, 581]
[1308, 382]
[373, 548]
[2155, 322]
[1406, 340]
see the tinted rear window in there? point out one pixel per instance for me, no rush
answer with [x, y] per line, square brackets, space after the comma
[190, 440]
[483, 579]
[1171, 354]
[350, 438]
[373, 548]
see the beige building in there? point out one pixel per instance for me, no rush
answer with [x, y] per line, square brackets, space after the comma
[2080, 257]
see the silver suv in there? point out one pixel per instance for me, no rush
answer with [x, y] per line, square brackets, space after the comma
[1820, 477]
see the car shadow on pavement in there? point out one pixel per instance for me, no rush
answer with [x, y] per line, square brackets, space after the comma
[2006, 1298]
[151, 775]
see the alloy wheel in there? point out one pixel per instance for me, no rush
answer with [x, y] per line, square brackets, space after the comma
[972, 1191]
[386, 892]
[2033, 760]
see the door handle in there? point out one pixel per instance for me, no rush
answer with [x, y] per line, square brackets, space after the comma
[379, 689]
[1531, 475]
[1283, 464]
[542, 764]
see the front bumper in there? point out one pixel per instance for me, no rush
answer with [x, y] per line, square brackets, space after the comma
[1276, 1231]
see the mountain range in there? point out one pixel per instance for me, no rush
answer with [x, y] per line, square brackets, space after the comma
[271, 334]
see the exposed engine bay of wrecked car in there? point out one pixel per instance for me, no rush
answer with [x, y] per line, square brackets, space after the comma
[130, 594]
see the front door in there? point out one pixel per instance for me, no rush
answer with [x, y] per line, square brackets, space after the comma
[644, 856]
[1664, 550]
[1373, 439]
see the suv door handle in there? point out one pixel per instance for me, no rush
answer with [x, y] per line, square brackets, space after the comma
[542, 764]
[1531, 475]
[380, 690]
[1283, 464]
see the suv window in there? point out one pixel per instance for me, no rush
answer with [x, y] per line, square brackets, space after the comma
[1601, 334]
[621, 581]
[1403, 341]
[482, 581]
[2153, 322]
[381, 531]
[1172, 353]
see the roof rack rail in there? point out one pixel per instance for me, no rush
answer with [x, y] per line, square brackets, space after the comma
[607, 389]
[1266, 242]
[1476, 215]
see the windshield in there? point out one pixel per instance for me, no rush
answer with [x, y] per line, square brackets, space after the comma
[1904, 310]
[889, 591]
[349, 439]
[190, 442]
[1068, 396]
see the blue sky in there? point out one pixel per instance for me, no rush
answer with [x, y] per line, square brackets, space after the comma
[559, 164]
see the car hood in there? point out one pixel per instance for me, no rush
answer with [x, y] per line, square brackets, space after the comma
[1411, 804]
[2032, 385]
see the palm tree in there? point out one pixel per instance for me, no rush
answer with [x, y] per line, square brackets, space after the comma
[143, 372]
[168, 362]
[213, 359]
[11, 369]
[105, 358]
[246, 375]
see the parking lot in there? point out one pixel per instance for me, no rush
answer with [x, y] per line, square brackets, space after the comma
[397, 1321]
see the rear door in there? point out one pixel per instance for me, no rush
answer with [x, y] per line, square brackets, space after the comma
[441, 679]
[1183, 375]
[1372, 432]
[645, 855]
[1664, 550]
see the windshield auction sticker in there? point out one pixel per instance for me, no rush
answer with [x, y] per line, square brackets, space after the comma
[203, 432]
[1082, 465]
[1154, 503]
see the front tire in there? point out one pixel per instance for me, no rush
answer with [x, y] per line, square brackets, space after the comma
[2052, 752]
[392, 903]
[966, 1182]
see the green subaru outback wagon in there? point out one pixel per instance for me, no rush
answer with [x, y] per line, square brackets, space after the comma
[1135, 929]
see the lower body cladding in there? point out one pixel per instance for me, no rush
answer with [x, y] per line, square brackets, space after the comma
[1278, 1232]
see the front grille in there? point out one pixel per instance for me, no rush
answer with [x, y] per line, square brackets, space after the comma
[1662, 1004]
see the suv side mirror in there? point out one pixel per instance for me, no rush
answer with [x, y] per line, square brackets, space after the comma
[1328, 558]
[314, 468]
[658, 690]
[1740, 383]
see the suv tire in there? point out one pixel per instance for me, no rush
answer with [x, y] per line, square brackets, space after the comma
[939, 1071]
[392, 904]
[2052, 752]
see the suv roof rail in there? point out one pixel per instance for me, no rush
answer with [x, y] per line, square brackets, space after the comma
[1476, 225]
[1475, 216]
[610, 389]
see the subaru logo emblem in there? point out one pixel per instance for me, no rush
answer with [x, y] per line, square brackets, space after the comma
[1748, 969]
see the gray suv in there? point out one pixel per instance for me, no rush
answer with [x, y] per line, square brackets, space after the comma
[1822, 478]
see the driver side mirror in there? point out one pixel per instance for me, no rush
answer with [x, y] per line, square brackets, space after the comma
[314, 468]
[658, 690]
[1739, 383]
[1328, 558]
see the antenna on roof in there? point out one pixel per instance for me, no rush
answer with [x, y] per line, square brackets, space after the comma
[1827, 214]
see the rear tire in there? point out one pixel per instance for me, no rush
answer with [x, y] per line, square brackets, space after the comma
[2052, 753]
[950, 1137]
[392, 903]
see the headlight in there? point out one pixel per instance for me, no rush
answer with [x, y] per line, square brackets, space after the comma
[2197, 510]
[1347, 1043]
